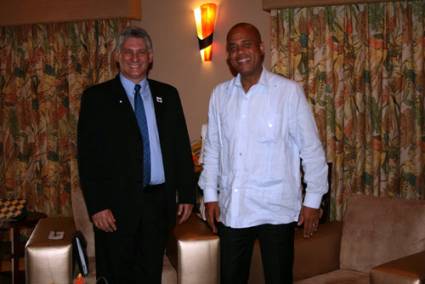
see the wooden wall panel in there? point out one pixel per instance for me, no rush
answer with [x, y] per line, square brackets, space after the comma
[18, 12]
[276, 4]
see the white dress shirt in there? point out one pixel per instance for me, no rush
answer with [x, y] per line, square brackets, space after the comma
[253, 147]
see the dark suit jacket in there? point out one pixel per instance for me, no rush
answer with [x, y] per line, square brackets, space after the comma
[110, 151]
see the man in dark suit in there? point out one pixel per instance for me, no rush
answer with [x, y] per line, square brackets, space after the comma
[134, 163]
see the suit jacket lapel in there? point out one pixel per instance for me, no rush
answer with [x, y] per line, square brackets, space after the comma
[126, 110]
[158, 101]
[119, 92]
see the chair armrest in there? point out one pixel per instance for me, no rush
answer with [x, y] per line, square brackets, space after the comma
[194, 251]
[47, 260]
[406, 270]
[318, 254]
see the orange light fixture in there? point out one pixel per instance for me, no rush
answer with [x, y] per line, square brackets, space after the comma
[205, 17]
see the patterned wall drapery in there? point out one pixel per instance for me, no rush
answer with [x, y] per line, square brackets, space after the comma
[44, 69]
[362, 68]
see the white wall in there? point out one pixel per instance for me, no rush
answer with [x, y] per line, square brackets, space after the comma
[176, 55]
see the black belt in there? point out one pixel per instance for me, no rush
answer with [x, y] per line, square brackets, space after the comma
[153, 187]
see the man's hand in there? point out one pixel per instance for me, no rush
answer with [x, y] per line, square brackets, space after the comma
[104, 220]
[183, 212]
[213, 213]
[310, 218]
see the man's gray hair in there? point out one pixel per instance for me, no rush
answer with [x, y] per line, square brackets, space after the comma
[136, 32]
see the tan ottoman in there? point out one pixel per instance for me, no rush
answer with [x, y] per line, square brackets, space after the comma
[50, 260]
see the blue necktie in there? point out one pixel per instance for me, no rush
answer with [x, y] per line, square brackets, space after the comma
[139, 109]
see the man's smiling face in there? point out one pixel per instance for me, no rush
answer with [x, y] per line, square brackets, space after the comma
[134, 58]
[245, 51]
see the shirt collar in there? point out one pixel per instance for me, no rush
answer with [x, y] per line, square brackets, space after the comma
[129, 85]
[262, 81]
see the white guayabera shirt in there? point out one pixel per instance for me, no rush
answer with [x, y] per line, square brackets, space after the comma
[252, 152]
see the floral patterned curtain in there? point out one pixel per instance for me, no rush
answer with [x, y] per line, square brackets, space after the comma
[362, 68]
[44, 69]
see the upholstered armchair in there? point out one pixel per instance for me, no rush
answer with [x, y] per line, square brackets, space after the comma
[380, 240]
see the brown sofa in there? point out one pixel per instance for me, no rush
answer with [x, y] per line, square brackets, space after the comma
[380, 240]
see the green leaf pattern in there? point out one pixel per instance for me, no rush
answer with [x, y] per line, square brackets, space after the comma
[44, 69]
[362, 69]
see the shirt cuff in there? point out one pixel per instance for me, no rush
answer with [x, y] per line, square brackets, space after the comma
[210, 195]
[312, 200]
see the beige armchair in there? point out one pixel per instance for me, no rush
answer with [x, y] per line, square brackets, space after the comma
[192, 252]
[380, 240]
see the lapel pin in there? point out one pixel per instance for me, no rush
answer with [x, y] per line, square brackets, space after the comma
[159, 100]
[120, 101]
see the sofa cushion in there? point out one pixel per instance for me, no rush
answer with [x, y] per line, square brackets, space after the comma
[319, 254]
[378, 230]
[338, 277]
[406, 270]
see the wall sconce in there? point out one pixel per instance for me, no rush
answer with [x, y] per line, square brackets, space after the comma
[205, 17]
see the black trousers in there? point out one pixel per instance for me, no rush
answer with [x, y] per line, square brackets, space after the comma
[277, 252]
[135, 256]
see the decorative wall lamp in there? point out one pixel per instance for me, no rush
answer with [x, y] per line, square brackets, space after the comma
[205, 17]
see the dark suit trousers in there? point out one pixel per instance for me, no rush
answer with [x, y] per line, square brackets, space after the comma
[277, 252]
[135, 256]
